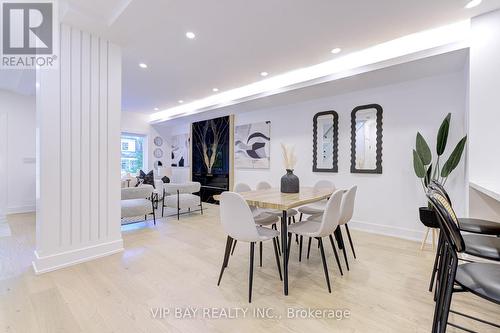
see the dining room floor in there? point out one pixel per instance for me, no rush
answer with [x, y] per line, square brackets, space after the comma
[166, 281]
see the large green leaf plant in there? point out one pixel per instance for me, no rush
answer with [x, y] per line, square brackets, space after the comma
[427, 170]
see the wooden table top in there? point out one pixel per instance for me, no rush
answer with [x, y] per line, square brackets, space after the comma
[274, 199]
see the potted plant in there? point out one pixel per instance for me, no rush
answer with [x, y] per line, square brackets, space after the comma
[427, 171]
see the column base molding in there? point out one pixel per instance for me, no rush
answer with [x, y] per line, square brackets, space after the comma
[44, 264]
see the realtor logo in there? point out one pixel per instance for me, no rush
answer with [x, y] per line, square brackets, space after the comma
[28, 34]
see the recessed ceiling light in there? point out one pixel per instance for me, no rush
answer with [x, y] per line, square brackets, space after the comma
[473, 3]
[336, 50]
[215, 89]
[190, 35]
[156, 109]
[264, 73]
[143, 65]
[180, 101]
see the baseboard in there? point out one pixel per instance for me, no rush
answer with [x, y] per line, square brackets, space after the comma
[386, 230]
[21, 209]
[44, 264]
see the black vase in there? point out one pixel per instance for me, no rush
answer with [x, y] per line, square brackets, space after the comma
[289, 182]
[428, 217]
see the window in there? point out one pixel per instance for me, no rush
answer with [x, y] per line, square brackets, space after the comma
[132, 148]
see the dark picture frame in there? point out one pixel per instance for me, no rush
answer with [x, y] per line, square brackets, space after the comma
[335, 139]
[378, 164]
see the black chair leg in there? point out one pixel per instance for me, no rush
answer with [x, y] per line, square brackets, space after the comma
[260, 254]
[296, 236]
[300, 217]
[275, 241]
[250, 275]
[436, 263]
[300, 248]
[234, 246]
[325, 267]
[350, 240]
[308, 247]
[341, 241]
[162, 203]
[153, 206]
[226, 257]
[336, 255]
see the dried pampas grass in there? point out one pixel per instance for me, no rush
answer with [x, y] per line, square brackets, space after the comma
[289, 157]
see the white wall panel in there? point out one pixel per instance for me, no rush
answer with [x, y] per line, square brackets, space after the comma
[79, 109]
[484, 115]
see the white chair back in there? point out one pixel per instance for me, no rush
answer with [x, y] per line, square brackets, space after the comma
[347, 207]
[140, 192]
[242, 187]
[330, 219]
[188, 187]
[324, 184]
[236, 217]
[263, 186]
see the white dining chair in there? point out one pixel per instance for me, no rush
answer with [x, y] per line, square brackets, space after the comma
[238, 222]
[346, 212]
[325, 228]
[261, 217]
[318, 207]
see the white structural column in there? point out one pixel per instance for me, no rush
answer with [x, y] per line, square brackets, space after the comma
[4, 227]
[78, 153]
[484, 117]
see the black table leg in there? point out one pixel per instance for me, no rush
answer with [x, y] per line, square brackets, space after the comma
[284, 249]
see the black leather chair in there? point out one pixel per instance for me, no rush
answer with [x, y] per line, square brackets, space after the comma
[476, 226]
[485, 246]
[481, 279]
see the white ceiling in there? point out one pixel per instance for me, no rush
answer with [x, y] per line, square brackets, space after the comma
[442, 64]
[237, 39]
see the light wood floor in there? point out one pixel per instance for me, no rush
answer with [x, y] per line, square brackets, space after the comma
[176, 264]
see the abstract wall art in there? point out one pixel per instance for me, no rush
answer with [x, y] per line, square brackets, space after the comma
[180, 150]
[252, 145]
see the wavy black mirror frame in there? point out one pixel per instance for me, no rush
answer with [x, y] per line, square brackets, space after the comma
[335, 139]
[378, 163]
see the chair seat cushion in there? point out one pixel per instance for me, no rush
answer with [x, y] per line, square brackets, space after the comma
[487, 247]
[186, 200]
[314, 208]
[479, 226]
[276, 212]
[266, 233]
[315, 218]
[481, 279]
[305, 228]
[265, 219]
[135, 207]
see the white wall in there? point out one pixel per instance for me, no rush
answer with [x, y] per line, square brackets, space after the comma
[386, 203]
[20, 172]
[78, 153]
[484, 118]
[4, 227]
[179, 174]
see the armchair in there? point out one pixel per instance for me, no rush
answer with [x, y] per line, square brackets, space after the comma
[137, 201]
[181, 196]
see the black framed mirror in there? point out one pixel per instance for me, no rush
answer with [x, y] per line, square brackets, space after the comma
[325, 141]
[366, 139]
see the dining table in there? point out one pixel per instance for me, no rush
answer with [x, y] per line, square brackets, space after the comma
[273, 198]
